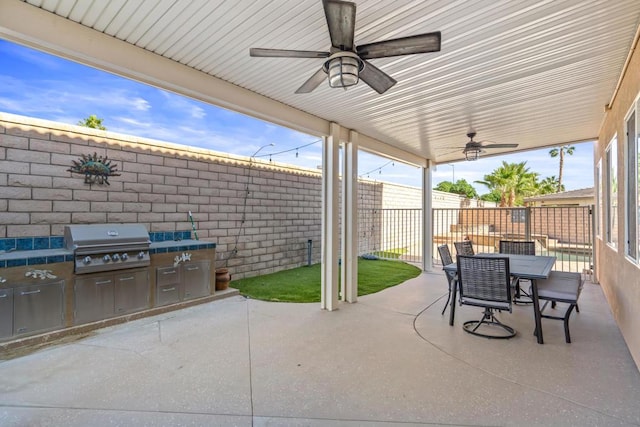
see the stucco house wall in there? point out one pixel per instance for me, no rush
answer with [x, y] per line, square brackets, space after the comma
[618, 275]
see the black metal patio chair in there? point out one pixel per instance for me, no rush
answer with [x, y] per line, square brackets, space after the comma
[464, 248]
[485, 282]
[516, 247]
[445, 257]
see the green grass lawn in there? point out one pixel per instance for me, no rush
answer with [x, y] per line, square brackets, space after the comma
[302, 284]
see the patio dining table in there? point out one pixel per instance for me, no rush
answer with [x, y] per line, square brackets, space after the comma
[531, 267]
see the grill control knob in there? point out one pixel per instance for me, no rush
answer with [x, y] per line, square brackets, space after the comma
[124, 256]
[86, 260]
[115, 257]
[106, 258]
[141, 255]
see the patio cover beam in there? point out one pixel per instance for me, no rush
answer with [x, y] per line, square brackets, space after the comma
[349, 271]
[427, 218]
[330, 231]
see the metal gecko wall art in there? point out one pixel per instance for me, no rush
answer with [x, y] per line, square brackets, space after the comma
[96, 170]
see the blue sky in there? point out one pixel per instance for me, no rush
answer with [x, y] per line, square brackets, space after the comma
[39, 85]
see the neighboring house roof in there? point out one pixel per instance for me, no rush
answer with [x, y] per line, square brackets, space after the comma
[573, 194]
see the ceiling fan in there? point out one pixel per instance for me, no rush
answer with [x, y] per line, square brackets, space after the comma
[346, 63]
[473, 148]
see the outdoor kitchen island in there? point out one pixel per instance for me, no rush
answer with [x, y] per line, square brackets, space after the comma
[100, 275]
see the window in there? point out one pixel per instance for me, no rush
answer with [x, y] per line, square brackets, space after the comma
[631, 188]
[611, 193]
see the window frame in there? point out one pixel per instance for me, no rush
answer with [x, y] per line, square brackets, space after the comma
[611, 194]
[631, 184]
[598, 207]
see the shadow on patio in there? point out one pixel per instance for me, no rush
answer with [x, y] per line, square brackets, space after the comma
[389, 359]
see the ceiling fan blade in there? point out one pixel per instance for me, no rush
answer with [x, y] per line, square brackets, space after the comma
[284, 53]
[498, 145]
[376, 78]
[313, 82]
[423, 43]
[341, 20]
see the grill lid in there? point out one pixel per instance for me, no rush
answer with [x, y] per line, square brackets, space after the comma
[96, 236]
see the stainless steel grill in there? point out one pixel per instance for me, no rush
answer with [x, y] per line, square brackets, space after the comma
[106, 247]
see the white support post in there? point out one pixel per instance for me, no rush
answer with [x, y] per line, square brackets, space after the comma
[427, 218]
[349, 272]
[330, 233]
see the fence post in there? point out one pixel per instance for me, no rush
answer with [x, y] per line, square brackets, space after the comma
[527, 223]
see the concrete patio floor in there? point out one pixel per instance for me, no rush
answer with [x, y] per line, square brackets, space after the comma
[389, 360]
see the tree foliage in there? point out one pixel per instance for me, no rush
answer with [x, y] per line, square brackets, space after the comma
[512, 181]
[92, 122]
[461, 187]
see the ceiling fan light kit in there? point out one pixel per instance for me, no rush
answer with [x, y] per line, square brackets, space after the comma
[343, 69]
[347, 64]
[472, 154]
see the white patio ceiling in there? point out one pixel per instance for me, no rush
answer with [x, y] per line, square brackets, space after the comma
[537, 73]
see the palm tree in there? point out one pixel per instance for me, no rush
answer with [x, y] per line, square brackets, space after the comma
[560, 152]
[92, 121]
[548, 185]
[512, 181]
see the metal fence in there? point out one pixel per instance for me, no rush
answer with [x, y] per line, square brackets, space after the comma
[391, 233]
[564, 232]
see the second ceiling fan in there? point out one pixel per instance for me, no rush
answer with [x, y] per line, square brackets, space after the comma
[473, 148]
[347, 63]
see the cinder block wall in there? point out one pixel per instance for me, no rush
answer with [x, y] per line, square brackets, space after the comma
[267, 211]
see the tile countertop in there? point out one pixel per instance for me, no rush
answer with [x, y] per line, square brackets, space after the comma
[179, 245]
[50, 256]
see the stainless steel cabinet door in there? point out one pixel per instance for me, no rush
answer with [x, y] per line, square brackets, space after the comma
[6, 313]
[94, 298]
[132, 291]
[38, 307]
[195, 279]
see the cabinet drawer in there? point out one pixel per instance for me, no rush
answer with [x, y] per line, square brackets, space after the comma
[167, 294]
[167, 275]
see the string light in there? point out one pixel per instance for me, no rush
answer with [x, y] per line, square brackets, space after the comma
[289, 150]
[378, 169]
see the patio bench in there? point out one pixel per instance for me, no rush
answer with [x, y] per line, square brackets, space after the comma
[564, 287]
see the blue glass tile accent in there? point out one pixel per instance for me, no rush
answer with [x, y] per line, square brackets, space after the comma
[24, 244]
[152, 251]
[168, 235]
[56, 242]
[3, 264]
[37, 260]
[152, 236]
[186, 235]
[55, 258]
[9, 244]
[68, 257]
[40, 243]
[16, 262]
[162, 250]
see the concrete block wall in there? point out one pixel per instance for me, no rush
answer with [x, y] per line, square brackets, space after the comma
[260, 214]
